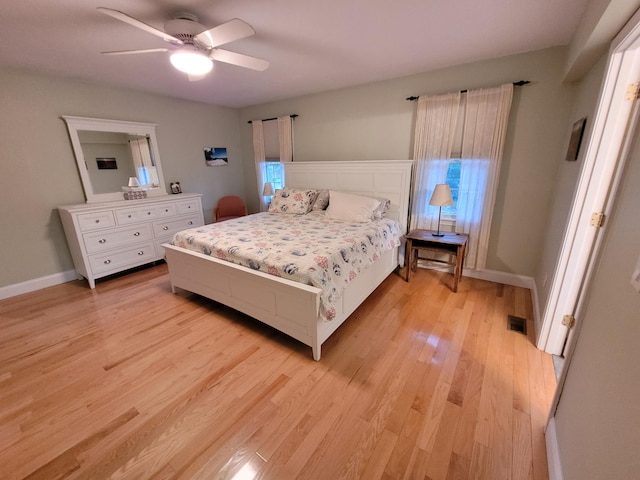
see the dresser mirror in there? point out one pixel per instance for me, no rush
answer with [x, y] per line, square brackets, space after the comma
[115, 156]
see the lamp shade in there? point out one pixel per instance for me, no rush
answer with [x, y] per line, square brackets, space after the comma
[267, 190]
[191, 61]
[133, 182]
[441, 196]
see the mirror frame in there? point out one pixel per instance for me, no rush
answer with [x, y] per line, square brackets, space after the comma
[75, 124]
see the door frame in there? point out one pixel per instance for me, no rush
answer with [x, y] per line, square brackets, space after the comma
[603, 160]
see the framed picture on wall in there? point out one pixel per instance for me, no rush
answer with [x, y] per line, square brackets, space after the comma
[576, 139]
[216, 156]
[106, 163]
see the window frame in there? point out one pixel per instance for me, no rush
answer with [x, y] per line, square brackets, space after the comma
[449, 219]
[277, 181]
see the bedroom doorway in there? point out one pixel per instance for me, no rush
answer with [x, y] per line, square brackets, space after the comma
[607, 149]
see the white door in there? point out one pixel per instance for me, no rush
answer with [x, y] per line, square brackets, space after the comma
[605, 153]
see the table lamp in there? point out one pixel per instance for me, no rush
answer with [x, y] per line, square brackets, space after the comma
[267, 190]
[441, 198]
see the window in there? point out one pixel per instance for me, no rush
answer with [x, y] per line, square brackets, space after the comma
[273, 174]
[453, 179]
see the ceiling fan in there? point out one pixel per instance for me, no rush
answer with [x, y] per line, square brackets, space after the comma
[193, 47]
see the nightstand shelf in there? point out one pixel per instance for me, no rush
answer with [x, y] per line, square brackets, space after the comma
[452, 244]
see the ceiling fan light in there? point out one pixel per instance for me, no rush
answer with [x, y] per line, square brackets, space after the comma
[191, 62]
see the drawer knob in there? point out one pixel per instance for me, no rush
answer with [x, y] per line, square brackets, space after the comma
[148, 213]
[189, 207]
[165, 228]
[166, 209]
[129, 216]
[102, 240]
[107, 262]
[97, 220]
[140, 252]
[137, 234]
[191, 223]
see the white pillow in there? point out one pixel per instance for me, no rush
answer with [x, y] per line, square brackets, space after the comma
[350, 207]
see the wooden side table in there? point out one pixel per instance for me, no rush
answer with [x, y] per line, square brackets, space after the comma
[453, 244]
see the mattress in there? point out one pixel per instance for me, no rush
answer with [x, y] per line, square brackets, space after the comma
[312, 249]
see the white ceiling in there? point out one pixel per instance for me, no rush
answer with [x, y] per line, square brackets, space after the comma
[312, 46]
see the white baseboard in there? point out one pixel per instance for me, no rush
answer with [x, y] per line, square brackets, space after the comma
[37, 284]
[553, 455]
[535, 299]
[502, 277]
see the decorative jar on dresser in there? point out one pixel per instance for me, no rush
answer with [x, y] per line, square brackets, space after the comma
[111, 237]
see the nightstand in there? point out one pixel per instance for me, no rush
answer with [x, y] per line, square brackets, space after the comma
[453, 244]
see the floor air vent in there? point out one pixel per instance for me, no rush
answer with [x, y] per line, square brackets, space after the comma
[517, 324]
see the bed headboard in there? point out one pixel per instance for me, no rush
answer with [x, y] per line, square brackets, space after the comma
[375, 178]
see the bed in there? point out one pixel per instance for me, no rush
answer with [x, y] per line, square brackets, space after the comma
[294, 308]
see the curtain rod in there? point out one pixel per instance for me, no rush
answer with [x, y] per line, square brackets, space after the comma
[275, 118]
[516, 84]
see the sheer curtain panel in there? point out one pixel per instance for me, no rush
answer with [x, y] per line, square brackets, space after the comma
[434, 133]
[259, 157]
[285, 138]
[485, 127]
[145, 171]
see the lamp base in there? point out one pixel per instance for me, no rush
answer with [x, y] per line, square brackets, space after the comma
[438, 234]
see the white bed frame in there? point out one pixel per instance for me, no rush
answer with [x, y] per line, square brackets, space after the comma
[290, 307]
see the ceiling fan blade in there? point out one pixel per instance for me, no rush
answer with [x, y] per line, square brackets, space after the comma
[123, 17]
[133, 52]
[227, 32]
[239, 59]
[195, 77]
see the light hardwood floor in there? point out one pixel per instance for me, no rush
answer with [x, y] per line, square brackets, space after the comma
[131, 381]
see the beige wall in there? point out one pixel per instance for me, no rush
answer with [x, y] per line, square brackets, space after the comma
[598, 417]
[565, 181]
[365, 122]
[376, 122]
[38, 171]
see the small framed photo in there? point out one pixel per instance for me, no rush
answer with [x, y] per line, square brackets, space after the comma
[175, 187]
[106, 163]
[216, 156]
[576, 139]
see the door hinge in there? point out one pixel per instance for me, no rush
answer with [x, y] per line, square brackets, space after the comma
[569, 321]
[597, 219]
[633, 91]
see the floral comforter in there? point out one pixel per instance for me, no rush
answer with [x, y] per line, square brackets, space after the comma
[312, 249]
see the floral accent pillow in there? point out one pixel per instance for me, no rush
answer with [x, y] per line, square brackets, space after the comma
[381, 210]
[322, 200]
[297, 201]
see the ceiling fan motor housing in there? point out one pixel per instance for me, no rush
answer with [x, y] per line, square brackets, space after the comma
[184, 28]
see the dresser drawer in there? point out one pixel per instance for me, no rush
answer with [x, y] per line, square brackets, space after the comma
[95, 242]
[145, 212]
[122, 259]
[95, 220]
[189, 206]
[162, 228]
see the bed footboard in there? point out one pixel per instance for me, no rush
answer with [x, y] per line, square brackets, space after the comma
[290, 307]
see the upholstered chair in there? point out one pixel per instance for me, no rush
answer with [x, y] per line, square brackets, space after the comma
[229, 207]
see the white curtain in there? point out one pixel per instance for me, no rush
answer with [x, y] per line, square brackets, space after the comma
[259, 157]
[434, 133]
[145, 170]
[285, 138]
[485, 126]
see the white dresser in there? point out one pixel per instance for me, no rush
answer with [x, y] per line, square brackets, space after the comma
[111, 237]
